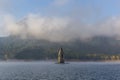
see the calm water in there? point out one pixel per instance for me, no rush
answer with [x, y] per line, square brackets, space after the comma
[52, 71]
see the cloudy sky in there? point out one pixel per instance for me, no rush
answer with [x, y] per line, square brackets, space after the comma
[60, 20]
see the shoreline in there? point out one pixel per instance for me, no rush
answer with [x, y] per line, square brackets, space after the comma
[55, 60]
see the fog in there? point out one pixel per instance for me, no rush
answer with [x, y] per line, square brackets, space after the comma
[60, 28]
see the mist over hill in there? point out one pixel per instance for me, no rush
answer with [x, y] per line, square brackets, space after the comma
[37, 37]
[96, 48]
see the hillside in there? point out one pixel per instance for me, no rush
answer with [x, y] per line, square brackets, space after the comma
[98, 48]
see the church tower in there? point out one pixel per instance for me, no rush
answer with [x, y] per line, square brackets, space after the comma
[60, 56]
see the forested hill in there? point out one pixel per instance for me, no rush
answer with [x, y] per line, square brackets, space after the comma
[98, 48]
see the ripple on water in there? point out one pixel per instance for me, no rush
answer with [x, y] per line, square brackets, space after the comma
[51, 71]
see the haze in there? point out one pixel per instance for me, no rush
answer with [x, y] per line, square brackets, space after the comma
[60, 20]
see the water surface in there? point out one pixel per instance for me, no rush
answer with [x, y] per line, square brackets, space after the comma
[52, 71]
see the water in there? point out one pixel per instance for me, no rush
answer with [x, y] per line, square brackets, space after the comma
[52, 71]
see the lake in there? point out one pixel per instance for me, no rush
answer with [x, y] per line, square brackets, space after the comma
[50, 71]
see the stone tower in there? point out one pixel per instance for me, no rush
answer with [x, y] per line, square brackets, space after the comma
[60, 56]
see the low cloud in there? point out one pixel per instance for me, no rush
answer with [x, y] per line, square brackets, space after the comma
[59, 29]
[36, 26]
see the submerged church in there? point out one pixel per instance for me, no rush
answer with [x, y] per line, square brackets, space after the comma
[60, 56]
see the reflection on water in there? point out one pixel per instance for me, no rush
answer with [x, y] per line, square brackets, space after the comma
[52, 71]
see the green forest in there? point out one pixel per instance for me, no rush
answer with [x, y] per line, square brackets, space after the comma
[99, 48]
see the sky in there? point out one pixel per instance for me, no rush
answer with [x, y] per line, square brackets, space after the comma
[20, 8]
[85, 18]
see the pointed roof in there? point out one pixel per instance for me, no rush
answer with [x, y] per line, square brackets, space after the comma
[61, 51]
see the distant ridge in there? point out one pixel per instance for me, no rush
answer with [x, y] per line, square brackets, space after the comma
[95, 49]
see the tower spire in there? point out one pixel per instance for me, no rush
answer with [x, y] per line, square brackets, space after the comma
[60, 56]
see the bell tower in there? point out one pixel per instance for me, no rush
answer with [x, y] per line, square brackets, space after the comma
[60, 56]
